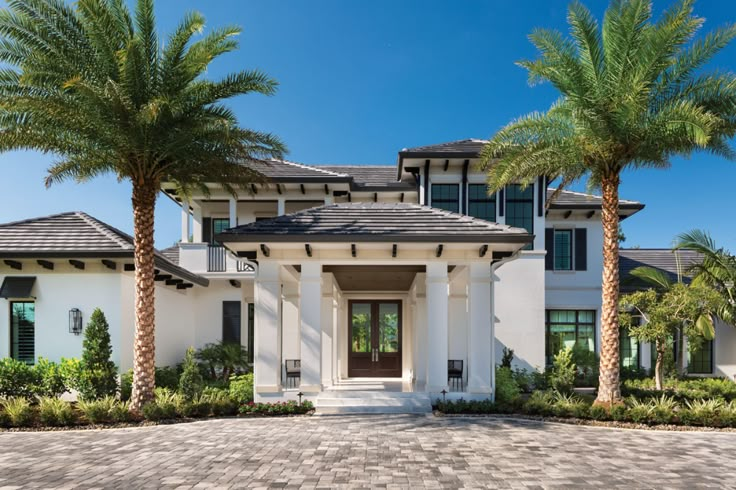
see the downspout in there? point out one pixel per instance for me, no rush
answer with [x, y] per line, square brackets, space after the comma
[495, 264]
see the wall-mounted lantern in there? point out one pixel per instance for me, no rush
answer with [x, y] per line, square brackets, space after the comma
[75, 321]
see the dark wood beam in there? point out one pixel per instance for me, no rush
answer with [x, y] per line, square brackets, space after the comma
[14, 264]
[375, 197]
[327, 190]
[265, 250]
[235, 283]
[567, 213]
[162, 277]
[447, 165]
[483, 250]
[353, 250]
[308, 249]
[590, 214]
[184, 286]
[278, 188]
[254, 188]
[129, 267]
[46, 264]
[350, 197]
[394, 250]
[439, 250]
[301, 186]
[110, 264]
[402, 197]
[173, 282]
[77, 264]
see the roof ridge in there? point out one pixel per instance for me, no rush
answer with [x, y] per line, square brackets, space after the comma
[312, 167]
[114, 234]
[585, 194]
[38, 218]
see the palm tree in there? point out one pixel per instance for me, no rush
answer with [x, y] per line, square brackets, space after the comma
[632, 96]
[717, 269]
[92, 84]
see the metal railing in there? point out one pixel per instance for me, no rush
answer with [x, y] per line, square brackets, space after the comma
[216, 258]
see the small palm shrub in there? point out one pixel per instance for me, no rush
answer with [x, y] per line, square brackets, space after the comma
[703, 412]
[638, 411]
[241, 388]
[195, 408]
[120, 412]
[169, 402]
[599, 412]
[98, 411]
[223, 360]
[191, 382]
[540, 403]
[662, 409]
[569, 405]
[18, 411]
[55, 411]
[220, 401]
[562, 378]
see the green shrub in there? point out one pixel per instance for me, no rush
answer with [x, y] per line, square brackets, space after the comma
[569, 405]
[169, 402]
[154, 412]
[507, 391]
[662, 410]
[166, 377]
[71, 373]
[618, 412]
[120, 412]
[279, 408]
[525, 380]
[638, 411]
[99, 374]
[705, 412]
[599, 412]
[540, 403]
[4, 419]
[126, 385]
[49, 378]
[17, 379]
[196, 408]
[55, 411]
[220, 401]
[507, 358]
[18, 411]
[241, 388]
[564, 371]
[98, 411]
[224, 359]
[191, 383]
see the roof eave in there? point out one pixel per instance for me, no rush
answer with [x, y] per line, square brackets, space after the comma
[377, 238]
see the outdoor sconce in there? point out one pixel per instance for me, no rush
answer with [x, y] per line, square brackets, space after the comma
[75, 321]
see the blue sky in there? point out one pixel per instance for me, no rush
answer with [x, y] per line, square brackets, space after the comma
[360, 80]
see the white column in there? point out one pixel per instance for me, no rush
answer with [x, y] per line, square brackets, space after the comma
[185, 221]
[197, 223]
[280, 206]
[310, 308]
[233, 212]
[327, 328]
[267, 358]
[437, 316]
[480, 338]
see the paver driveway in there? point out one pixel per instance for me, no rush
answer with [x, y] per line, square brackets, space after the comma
[367, 451]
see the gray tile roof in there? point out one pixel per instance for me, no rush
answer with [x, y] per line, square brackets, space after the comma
[578, 200]
[286, 171]
[75, 235]
[663, 259]
[468, 148]
[171, 253]
[369, 177]
[382, 222]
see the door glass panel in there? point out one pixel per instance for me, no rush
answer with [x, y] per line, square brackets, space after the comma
[388, 327]
[22, 331]
[360, 327]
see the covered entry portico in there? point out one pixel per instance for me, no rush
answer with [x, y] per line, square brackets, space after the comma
[389, 292]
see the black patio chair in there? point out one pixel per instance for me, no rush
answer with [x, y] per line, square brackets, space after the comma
[455, 372]
[293, 371]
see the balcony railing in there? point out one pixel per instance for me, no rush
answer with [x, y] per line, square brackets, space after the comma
[219, 260]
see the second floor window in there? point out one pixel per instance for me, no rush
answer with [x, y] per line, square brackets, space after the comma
[446, 196]
[480, 204]
[563, 250]
[218, 226]
[520, 207]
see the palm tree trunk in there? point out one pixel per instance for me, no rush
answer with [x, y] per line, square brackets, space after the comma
[609, 390]
[144, 347]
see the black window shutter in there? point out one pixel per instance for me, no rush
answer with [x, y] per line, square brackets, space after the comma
[549, 245]
[231, 321]
[207, 230]
[581, 249]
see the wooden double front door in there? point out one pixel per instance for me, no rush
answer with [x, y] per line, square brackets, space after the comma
[374, 336]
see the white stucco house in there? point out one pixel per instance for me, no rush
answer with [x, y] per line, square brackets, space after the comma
[373, 278]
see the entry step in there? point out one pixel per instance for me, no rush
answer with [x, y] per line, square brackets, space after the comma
[372, 402]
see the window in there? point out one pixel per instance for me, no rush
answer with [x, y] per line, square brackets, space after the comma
[480, 204]
[23, 331]
[701, 360]
[251, 323]
[520, 208]
[231, 322]
[563, 250]
[446, 196]
[569, 328]
[629, 348]
[219, 225]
